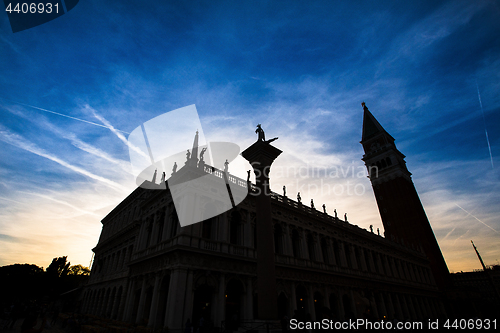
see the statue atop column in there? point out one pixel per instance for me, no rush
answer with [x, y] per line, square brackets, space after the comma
[262, 135]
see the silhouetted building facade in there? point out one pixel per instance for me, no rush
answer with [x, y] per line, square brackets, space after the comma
[151, 271]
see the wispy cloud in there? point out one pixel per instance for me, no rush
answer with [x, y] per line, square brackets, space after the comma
[20, 142]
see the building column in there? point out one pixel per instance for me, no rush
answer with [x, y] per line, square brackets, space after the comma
[154, 302]
[413, 314]
[175, 300]
[249, 300]
[220, 301]
[189, 297]
[303, 244]
[166, 225]
[142, 301]
[342, 254]
[383, 309]
[247, 231]
[389, 306]
[287, 241]
[331, 254]
[363, 260]
[129, 302]
[398, 307]
[375, 305]
[310, 302]
[293, 301]
[317, 249]
[156, 227]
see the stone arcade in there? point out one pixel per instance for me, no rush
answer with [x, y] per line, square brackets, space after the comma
[151, 271]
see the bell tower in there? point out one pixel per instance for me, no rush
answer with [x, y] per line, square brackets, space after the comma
[402, 213]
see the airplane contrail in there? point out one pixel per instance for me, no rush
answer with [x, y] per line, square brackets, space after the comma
[476, 218]
[484, 121]
[61, 114]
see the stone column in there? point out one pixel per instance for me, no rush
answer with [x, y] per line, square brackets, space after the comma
[156, 227]
[189, 297]
[249, 300]
[342, 254]
[304, 251]
[220, 313]
[261, 155]
[397, 307]
[142, 301]
[129, 302]
[175, 300]
[154, 302]
[293, 300]
[374, 304]
[310, 303]
[287, 241]
[362, 259]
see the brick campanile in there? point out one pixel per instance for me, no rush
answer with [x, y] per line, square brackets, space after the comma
[402, 213]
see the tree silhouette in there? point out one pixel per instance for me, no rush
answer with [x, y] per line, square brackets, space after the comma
[58, 267]
[78, 270]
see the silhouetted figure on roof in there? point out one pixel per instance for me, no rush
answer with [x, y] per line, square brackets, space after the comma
[378, 231]
[226, 166]
[188, 155]
[248, 176]
[174, 169]
[202, 153]
[163, 177]
[312, 204]
[284, 190]
[335, 212]
[345, 217]
[299, 199]
[371, 228]
[324, 208]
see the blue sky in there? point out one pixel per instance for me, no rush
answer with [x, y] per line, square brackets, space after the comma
[299, 68]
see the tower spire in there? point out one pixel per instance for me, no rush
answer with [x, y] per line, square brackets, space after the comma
[194, 151]
[402, 213]
[371, 127]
